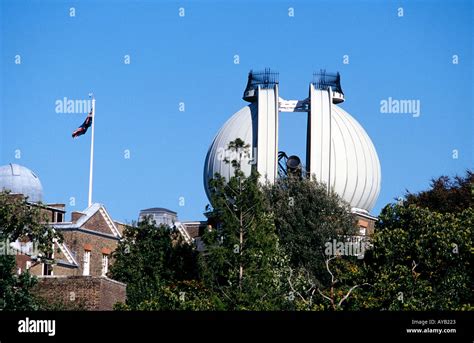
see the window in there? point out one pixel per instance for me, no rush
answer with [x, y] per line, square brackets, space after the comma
[105, 264]
[362, 231]
[28, 265]
[57, 217]
[87, 263]
[48, 267]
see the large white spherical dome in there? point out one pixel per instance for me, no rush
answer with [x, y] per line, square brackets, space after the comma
[20, 180]
[355, 167]
[354, 162]
[238, 126]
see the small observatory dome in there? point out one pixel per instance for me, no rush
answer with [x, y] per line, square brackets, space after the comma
[20, 180]
[355, 166]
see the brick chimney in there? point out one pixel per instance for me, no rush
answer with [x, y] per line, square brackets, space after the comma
[75, 216]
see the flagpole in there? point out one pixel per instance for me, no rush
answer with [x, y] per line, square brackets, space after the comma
[92, 152]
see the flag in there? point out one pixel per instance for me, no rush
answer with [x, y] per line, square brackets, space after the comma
[83, 128]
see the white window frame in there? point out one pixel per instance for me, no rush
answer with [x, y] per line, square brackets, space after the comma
[86, 267]
[105, 264]
[48, 267]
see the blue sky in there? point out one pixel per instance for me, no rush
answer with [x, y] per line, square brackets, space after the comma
[190, 59]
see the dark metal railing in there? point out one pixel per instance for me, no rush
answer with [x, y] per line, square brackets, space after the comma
[324, 80]
[265, 79]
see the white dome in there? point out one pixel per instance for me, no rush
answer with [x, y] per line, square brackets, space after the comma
[355, 167]
[20, 180]
[238, 126]
[354, 162]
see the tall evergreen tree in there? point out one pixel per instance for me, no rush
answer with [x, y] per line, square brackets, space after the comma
[243, 262]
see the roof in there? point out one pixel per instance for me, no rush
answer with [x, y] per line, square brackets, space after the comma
[157, 209]
[363, 213]
[195, 222]
[71, 261]
[28, 249]
[47, 206]
[88, 213]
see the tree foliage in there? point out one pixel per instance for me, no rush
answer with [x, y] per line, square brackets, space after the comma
[421, 258]
[20, 220]
[306, 218]
[150, 259]
[15, 290]
[446, 195]
[243, 262]
[266, 250]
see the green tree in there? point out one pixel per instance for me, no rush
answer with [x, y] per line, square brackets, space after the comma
[23, 221]
[150, 260]
[345, 281]
[15, 290]
[421, 260]
[190, 295]
[307, 218]
[243, 263]
[446, 195]
[422, 250]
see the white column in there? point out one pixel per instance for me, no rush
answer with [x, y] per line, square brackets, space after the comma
[318, 153]
[267, 134]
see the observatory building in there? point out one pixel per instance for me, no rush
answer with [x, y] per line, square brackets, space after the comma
[339, 153]
[20, 180]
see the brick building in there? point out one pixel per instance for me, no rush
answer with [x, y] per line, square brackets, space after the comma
[78, 276]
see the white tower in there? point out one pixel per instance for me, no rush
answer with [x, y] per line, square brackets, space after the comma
[267, 133]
